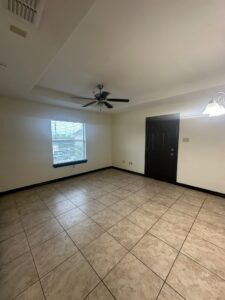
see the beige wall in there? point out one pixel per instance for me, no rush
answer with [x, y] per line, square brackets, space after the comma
[25, 142]
[26, 151]
[201, 162]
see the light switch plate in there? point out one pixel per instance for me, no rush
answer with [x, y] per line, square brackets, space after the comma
[186, 140]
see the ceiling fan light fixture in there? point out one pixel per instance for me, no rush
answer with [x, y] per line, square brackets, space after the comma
[100, 105]
[214, 108]
[101, 99]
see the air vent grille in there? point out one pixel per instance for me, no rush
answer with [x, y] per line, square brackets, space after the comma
[28, 10]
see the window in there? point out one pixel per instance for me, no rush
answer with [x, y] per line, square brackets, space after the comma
[68, 143]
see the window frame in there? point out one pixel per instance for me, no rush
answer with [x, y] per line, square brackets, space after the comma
[72, 162]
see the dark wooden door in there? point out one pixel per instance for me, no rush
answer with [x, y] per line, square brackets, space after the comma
[162, 134]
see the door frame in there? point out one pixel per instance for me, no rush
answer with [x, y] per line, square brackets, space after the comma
[175, 116]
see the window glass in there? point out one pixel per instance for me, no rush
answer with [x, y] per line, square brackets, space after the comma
[68, 142]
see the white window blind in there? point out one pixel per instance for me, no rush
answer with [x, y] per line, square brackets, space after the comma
[68, 142]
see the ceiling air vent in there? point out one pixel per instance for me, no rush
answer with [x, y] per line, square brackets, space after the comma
[27, 10]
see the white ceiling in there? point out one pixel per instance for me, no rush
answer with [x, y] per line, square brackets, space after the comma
[27, 58]
[145, 50]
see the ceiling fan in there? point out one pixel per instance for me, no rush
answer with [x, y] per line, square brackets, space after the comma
[100, 98]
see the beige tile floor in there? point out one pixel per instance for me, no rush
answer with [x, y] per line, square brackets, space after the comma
[112, 235]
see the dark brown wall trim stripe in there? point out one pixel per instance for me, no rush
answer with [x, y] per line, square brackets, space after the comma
[128, 171]
[201, 190]
[51, 181]
[180, 184]
[101, 169]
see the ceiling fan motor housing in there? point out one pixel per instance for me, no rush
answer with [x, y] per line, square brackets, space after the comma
[100, 98]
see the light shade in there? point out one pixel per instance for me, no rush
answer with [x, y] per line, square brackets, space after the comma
[214, 108]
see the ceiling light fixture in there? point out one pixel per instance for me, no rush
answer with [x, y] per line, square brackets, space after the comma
[216, 107]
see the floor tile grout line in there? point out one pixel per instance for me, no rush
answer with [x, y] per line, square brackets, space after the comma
[106, 230]
[214, 212]
[34, 261]
[163, 241]
[33, 226]
[166, 283]
[5, 264]
[180, 249]
[61, 212]
[145, 234]
[167, 275]
[88, 216]
[94, 213]
[149, 200]
[21, 217]
[210, 271]
[34, 246]
[41, 243]
[195, 219]
[185, 231]
[124, 217]
[160, 218]
[186, 202]
[24, 290]
[63, 261]
[108, 289]
[127, 252]
[184, 253]
[183, 212]
[82, 253]
[46, 274]
[12, 236]
[101, 281]
[170, 246]
[54, 236]
[201, 238]
[164, 280]
[146, 266]
[84, 220]
[66, 232]
[150, 225]
[80, 250]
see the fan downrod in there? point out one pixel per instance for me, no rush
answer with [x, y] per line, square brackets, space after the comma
[100, 86]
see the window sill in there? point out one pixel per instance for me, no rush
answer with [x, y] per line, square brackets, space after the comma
[70, 163]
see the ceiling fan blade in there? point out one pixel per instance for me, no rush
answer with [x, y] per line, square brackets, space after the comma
[90, 103]
[81, 98]
[118, 100]
[104, 94]
[107, 104]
